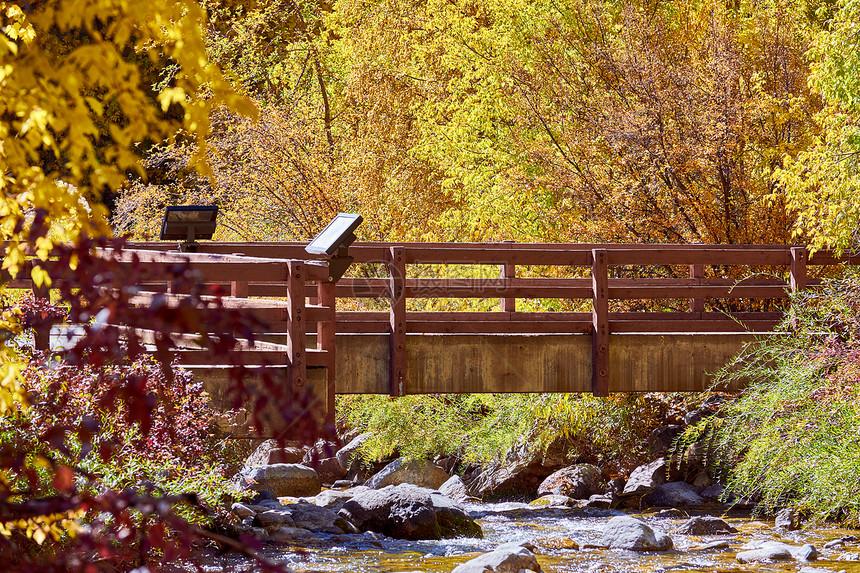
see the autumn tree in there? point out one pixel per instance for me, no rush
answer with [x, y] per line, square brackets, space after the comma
[823, 182]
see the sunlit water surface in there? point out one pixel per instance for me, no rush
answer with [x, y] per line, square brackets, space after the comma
[556, 532]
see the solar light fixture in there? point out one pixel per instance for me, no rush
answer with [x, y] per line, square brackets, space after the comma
[336, 238]
[339, 233]
[188, 223]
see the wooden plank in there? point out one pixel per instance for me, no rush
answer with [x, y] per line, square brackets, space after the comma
[397, 318]
[493, 256]
[249, 357]
[798, 269]
[498, 327]
[679, 326]
[600, 323]
[296, 344]
[691, 256]
[674, 292]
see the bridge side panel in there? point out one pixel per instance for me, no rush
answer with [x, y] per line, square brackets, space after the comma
[534, 363]
[672, 362]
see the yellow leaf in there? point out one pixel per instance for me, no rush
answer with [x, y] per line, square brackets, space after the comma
[40, 277]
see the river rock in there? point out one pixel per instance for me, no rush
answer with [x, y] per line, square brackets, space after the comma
[316, 518]
[694, 417]
[757, 551]
[848, 556]
[672, 513]
[713, 546]
[271, 452]
[330, 470]
[579, 482]
[818, 570]
[242, 511]
[646, 477]
[402, 511]
[422, 473]
[455, 489]
[661, 439]
[674, 494]
[348, 454]
[705, 525]
[274, 518]
[507, 558]
[789, 519]
[288, 534]
[281, 480]
[553, 501]
[624, 532]
[321, 450]
[332, 499]
[520, 473]
[713, 492]
[599, 502]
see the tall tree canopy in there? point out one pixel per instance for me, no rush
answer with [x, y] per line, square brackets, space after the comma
[511, 119]
[823, 184]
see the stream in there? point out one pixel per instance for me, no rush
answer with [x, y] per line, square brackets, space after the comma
[566, 540]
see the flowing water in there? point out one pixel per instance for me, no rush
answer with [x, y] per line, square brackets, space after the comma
[566, 540]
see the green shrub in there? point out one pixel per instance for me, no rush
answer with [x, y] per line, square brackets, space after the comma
[483, 427]
[793, 436]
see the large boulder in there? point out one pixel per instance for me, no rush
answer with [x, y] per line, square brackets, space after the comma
[520, 473]
[705, 525]
[321, 457]
[416, 472]
[321, 450]
[271, 452]
[624, 532]
[646, 477]
[453, 519]
[674, 494]
[661, 439]
[348, 454]
[508, 558]
[405, 512]
[329, 470]
[579, 482]
[281, 480]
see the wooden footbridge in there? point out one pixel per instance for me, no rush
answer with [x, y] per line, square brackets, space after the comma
[620, 340]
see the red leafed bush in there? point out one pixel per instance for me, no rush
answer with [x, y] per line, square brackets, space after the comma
[80, 462]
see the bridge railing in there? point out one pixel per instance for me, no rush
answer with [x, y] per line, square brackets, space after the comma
[253, 272]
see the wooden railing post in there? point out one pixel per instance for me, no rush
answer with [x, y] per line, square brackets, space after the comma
[600, 323]
[509, 271]
[798, 269]
[296, 343]
[239, 289]
[697, 305]
[397, 322]
[42, 331]
[326, 340]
